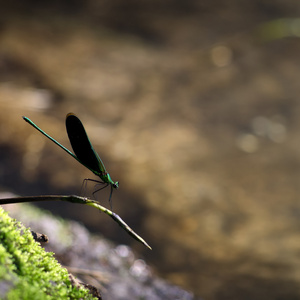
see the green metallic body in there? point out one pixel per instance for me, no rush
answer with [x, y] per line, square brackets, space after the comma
[84, 151]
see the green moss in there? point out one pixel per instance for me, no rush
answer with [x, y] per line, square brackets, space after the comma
[27, 271]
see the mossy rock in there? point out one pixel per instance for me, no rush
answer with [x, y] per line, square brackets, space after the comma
[27, 271]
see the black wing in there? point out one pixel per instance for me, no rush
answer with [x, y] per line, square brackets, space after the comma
[82, 146]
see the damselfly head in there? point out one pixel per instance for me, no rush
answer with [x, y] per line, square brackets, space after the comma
[116, 185]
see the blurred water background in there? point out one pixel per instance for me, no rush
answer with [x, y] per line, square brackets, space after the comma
[193, 107]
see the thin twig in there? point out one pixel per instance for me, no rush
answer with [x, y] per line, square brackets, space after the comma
[80, 200]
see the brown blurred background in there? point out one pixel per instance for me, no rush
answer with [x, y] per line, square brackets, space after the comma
[193, 106]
